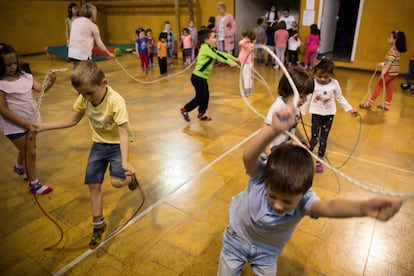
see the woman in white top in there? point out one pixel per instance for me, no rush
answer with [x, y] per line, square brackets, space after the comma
[84, 34]
[73, 13]
[289, 20]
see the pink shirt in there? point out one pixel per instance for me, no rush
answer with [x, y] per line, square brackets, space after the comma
[187, 41]
[245, 46]
[19, 99]
[312, 42]
[281, 38]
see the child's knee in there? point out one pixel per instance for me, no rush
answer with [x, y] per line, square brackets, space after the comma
[118, 183]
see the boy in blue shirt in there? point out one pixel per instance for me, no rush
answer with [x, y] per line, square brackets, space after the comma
[278, 195]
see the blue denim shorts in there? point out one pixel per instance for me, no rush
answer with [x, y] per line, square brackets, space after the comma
[99, 157]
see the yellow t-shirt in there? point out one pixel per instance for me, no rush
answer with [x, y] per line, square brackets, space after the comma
[105, 118]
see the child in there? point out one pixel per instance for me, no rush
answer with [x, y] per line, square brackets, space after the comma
[281, 39]
[390, 70]
[246, 44]
[410, 74]
[293, 48]
[17, 114]
[261, 38]
[141, 48]
[264, 216]
[187, 45]
[193, 32]
[204, 66]
[312, 44]
[305, 85]
[322, 106]
[162, 53]
[73, 13]
[151, 46]
[289, 20]
[108, 118]
[270, 43]
[170, 42]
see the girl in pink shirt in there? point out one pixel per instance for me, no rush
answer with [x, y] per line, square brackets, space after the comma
[246, 44]
[186, 38]
[281, 39]
[18, 113]
[312, 44]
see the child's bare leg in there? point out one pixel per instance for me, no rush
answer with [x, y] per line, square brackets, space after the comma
[27, 152]
[20, 158]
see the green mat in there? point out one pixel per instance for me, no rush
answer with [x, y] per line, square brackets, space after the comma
[62, 51]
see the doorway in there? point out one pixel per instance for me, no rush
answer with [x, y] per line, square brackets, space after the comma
[339, 21]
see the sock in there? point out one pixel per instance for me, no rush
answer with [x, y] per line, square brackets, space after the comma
[18, 166]
[34, 182]
[99, 222]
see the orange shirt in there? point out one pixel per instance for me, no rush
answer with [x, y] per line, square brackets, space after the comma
[412, 56]
[162, 49]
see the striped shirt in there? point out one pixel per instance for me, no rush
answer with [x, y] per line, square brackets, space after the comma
[392, 62]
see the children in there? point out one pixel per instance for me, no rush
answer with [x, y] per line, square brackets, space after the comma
[322, 106]
[73, 13]
[305, 85]
[264, 216]
[187, 46]
[270, 43]
[204, 66]
[281, 39]
[170, 42]
[288, 19]
[293, 48]
[108, 118]
[312, 44]
[141, 48]
[193, 32]
[246, 44]
[162, 53]
[151, 47]
[410, 74]
[18, 114]
[261, 38]
[390, 70]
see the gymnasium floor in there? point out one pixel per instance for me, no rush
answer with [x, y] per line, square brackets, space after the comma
[189, 173]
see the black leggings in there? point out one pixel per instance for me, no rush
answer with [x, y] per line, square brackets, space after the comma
[202, 95]
[321, 125]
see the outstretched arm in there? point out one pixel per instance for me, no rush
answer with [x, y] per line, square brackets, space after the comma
[68, 121]
[381, 208]
[282, 120]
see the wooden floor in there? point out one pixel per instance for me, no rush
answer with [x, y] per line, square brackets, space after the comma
[189, 173]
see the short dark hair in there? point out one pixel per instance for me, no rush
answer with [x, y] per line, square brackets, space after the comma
[324, 65]
[301, 78]
[250, 34]
[139, 30]
[7, 49]
[87, 72]
[281, 25]
[163, 35]
[260, 20]
[289, 170]
[287, 9]
[203, 35]
[400, 42]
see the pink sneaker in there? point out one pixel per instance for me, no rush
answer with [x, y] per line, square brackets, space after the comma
[39, 188]
[318, 168]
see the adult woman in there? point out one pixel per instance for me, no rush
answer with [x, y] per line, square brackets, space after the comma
[225, 27]
[84, 33]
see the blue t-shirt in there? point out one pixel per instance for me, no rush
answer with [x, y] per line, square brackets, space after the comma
[142, 45]
[254, 220]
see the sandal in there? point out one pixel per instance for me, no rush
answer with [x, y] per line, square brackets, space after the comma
[205, 118]
[365, 106]
[383, 107]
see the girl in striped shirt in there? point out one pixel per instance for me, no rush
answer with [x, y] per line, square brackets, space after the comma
[390, 69]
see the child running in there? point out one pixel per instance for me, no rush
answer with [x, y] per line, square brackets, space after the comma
[305, 85]
[323, 108]
[108, 118]
[278, 195]
[390, 70]
[18, 114]
[204, 65]
[246, 45]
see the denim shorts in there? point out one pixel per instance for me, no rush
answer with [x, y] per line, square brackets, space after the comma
[15, 136]
[236, 252]
[100, 156]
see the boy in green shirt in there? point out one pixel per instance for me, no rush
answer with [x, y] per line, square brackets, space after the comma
[204, 65]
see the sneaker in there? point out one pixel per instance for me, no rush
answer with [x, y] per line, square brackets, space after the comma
[96, 237]
[247, 92]
[276, 66]
[318, 168]
[383, 107]
[133, 184]
[405, 86]
[39, 188]
[203, 117]
[365, 106]
[411, 87]
[185, 114]
[20, 171]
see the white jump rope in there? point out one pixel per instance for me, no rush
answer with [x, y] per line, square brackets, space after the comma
[296, 98]
[364, 99]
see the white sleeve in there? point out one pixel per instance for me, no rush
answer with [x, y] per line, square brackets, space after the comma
[340, 98]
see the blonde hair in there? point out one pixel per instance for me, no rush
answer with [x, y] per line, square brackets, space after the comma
[221, 5]
[89, 10]
[87, 72]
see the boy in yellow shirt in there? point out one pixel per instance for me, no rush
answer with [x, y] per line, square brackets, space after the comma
[111, 134]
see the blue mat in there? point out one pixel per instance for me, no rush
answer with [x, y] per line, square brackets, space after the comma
[62, 51]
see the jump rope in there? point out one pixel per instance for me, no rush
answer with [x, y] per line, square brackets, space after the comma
[29, 136]
[256, 76]
[295, 102]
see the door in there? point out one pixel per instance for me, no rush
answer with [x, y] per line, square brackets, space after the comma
[329, 17]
